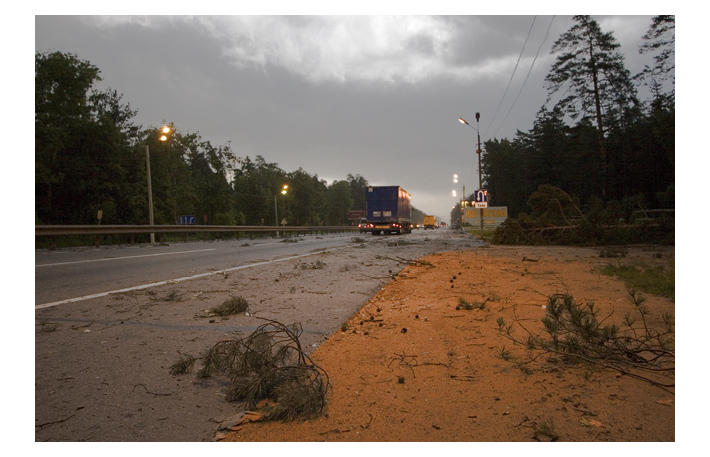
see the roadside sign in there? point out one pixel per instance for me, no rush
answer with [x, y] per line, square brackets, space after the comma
[492, 216]
[480, 198]
[186, 220]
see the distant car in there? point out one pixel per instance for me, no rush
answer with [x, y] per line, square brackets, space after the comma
[364, 226]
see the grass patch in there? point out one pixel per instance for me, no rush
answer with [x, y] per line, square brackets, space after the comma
[466, 305]
[486, 234]
[653, 280]
[545, 431]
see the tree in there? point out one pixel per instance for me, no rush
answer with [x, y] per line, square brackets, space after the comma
[337, 203]
[504, 175]
[660, 40]
[255, 185]
[307, 197]
[591, 71]
[210, 168]
[358, 189]
[84, 159]
[62, 82]
[90, 156]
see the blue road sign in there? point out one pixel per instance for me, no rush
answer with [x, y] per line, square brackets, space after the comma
[186, 219]
[480, 196]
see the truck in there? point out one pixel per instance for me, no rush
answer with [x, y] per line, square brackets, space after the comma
[389, 210]
[429, 222]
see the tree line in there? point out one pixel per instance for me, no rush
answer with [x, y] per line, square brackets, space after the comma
[90, 157]
[594, 140]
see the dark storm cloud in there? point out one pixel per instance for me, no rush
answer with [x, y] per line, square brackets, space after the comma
[375, 96]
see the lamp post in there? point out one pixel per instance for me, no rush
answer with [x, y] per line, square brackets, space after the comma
[164, 137]
[478, 151]
[462, 200]
[276, 208]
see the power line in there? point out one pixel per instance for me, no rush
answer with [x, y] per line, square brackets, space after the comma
[506, 90]
[527, 76]
[512, 75]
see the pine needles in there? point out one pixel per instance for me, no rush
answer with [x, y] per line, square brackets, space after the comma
[270, 364]
[234, 305]
[634, 347]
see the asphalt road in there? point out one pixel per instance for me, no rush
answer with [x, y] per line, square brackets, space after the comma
[75, 273]
[102, 359]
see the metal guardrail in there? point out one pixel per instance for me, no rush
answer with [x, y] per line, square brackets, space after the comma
[59, 230]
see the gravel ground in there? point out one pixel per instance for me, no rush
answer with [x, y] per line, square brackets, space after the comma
[102, 365]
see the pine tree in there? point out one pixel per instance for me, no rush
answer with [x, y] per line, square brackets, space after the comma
[660, 39]
[596, 86]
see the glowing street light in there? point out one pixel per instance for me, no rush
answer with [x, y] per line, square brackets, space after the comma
[478, 151]
[276, 208]
[164, 137]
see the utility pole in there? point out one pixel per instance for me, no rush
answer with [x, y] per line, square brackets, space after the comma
[478, 151]
[150, 192]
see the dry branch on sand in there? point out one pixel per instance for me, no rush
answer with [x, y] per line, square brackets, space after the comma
[636, 350]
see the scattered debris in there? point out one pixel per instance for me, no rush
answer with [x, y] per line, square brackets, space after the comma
[232, 306]
[270, 364]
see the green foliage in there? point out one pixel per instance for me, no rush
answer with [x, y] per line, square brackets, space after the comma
[545, 431]
[591, 72]
[559, 218]
[603, 156]
[358, 188]
[337, 203]
[654, 280]
[466, 305]
[505, 354]
[634, 347]
[89, 156]
[660, 41]
[83, 150]
[224, 219]
[307, 198]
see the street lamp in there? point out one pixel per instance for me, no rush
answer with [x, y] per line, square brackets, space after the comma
[165, 130]
[276, 208]
[164, 137]
[462, 203]
[478, 151]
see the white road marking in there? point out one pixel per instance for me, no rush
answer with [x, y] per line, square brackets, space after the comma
[173, 281]
[125, 257]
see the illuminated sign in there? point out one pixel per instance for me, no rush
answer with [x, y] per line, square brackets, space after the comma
[495, 215]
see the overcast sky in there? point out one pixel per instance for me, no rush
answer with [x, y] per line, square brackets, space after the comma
[368, 95]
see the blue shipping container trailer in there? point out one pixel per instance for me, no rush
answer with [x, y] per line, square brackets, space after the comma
[389, 210]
